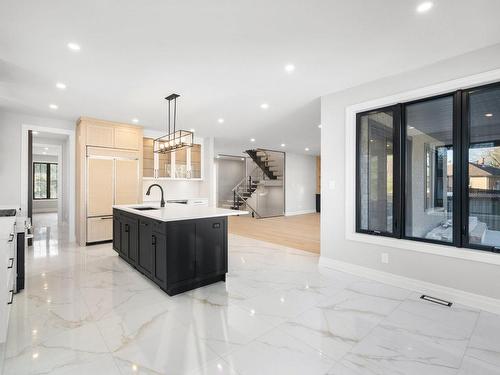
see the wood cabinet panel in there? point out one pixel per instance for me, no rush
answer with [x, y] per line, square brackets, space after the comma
[127, 138]
[160, 259]
[146, 250]
[99, 187]
[181, 254]
[211, 247]
[100, 135]
[127, 181]
[99, 229]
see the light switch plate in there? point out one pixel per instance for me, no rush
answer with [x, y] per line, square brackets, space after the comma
[331, 185]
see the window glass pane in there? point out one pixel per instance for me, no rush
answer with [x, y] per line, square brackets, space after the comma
[429, 170]
[375, 161]
[53, 181]
[40, 181]
[484, 167]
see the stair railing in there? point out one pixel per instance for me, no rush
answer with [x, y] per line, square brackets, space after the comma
[244, 186]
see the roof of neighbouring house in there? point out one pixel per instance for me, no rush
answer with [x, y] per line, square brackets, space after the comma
[482, 170]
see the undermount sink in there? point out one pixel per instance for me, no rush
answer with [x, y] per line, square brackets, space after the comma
[144, 208]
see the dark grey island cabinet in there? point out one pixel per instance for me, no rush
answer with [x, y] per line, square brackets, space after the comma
[177, 255]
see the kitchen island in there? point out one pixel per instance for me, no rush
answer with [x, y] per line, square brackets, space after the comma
[179, 247]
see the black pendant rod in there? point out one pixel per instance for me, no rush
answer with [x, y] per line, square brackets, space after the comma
[170, 98]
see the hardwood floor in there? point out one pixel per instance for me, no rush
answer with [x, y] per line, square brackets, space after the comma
[300, 231]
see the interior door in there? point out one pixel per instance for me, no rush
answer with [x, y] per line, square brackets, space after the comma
[126, 181]
[99, 187]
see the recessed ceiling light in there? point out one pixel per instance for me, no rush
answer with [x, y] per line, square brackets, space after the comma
[61, 86]
[220, 120]
[264, 106]
[191, 130]
[217, 157]
[252, 139]
[489, 114]
[319, 126]
[283, 145]
[243, 159]
[411, 127]
[53, 106]
[307, 149]
[46, 149]
[135, 120]
[34, 132]
[44, 153]
[74, 46]
[425, 6]
[289, 68]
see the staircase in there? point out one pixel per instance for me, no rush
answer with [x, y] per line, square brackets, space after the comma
[265, 172]
[266, 164]
[242, 192]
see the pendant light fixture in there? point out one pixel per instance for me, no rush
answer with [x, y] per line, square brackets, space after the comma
[174, 140]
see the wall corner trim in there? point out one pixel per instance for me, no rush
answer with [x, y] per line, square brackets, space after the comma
[455, 295]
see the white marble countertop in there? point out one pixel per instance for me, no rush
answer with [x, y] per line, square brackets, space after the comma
[176, 211]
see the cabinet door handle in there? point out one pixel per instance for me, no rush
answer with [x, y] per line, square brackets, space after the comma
[11, 263]
[11, 297]
[153, 240]
[11, 237]
[106, 218]
[126, 228]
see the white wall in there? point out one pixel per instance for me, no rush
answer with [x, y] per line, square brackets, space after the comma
[10, 150]
[471, 276]
[300, 184]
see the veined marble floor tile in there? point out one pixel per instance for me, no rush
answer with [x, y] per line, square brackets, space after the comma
[388, 350]
[153, 339]
[278, 353]
[485, 341]
[86, 311]
[473, 366]
[223, 328]
[77, 351]
[282, 304]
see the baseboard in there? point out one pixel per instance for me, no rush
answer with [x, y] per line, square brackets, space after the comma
[451, 294]
[302, 212]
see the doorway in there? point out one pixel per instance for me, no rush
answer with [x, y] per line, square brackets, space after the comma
[48, 182]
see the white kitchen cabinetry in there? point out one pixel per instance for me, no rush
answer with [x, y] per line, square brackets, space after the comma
[8, 248]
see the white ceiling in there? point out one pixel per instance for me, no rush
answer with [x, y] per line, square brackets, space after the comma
[225, 58]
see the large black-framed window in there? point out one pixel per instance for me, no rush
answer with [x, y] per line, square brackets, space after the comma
[378, 169]
[45, 180]
[481, 168]
[445, 158]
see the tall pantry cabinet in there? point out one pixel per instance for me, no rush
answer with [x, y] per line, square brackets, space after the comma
[109, 171]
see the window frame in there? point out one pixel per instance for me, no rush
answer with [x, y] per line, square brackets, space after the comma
[464, 200]
[48, 165]
[456, 242]
[396, 110]
[461, 138]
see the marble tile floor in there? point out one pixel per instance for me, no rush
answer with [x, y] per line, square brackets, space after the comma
[85, 311]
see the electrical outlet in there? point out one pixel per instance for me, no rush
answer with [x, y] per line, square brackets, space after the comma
[331, 185]
[384, 258]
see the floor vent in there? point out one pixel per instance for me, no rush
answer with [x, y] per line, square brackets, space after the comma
[436, 300]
